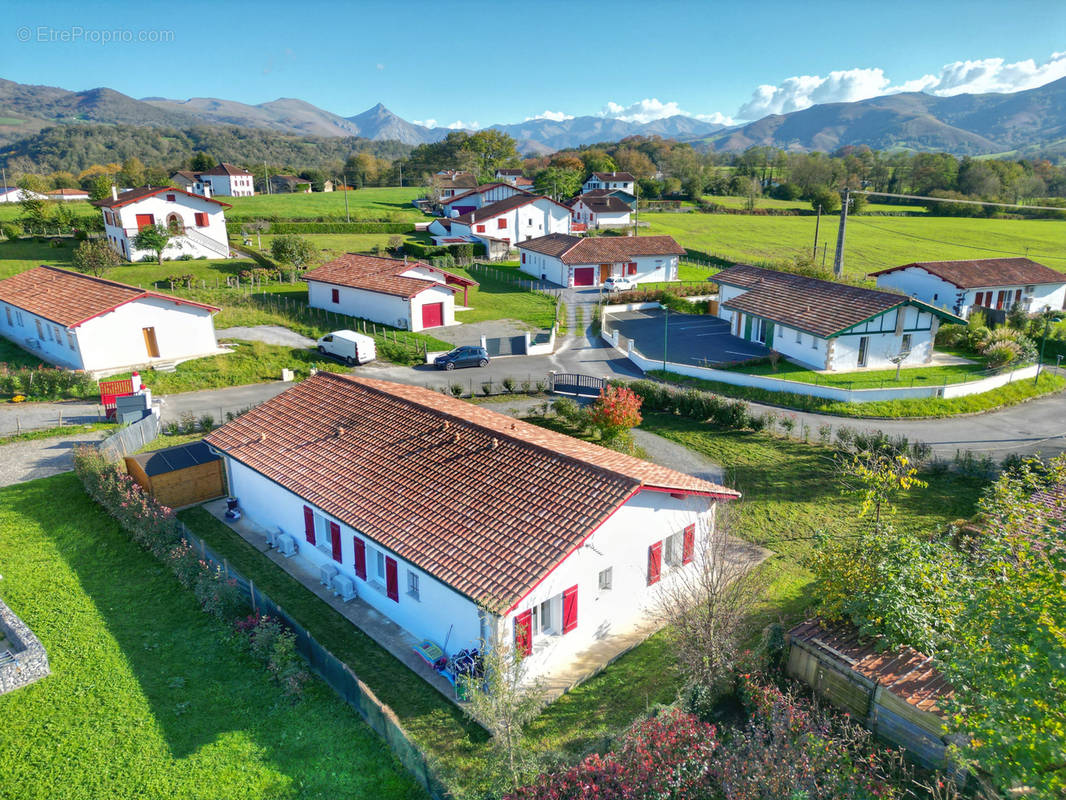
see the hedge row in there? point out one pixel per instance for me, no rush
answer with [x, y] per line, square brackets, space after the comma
[458, 251]
[699, 405]
[235, 228]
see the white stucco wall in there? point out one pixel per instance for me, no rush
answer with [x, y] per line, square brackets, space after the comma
[384, 308]
[923, 285]
[160, 208]
[530, 221]
[230, 185]
[649, 268]
[430, 616]
[52, 343]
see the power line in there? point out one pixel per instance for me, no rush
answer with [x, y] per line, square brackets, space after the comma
[968, 202]
[856, 220]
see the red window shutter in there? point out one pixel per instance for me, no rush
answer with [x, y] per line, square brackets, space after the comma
[523, 258]
[360, 557]
[392, 582]
[501, 223]
[480, 228]
[309, 524]
[336, 295]
[569, 609]
[632, 267]
[655, 562]
[523, 633]
[335, 540]
[201, 219]
[145, 221]
[171, 198]
[688, 544]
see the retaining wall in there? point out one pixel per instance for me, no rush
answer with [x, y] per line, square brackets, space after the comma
[30, 659]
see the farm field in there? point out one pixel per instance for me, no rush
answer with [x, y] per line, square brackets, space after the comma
[872, 242]
[149, 697]
[376, 203]
[331, 245]
[12, 211]
[730, 201]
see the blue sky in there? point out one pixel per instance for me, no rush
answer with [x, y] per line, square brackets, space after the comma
[455, 61]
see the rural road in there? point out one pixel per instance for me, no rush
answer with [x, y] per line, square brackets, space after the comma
[1038, 426]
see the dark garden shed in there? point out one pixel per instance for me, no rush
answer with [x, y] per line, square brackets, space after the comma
[179, 476]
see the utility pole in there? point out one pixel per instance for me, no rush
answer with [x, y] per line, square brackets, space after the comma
[817, 224]
[838, 260]
[400, 165]
[266, 177]
[346, 214]
[666, 332]
[5, 177]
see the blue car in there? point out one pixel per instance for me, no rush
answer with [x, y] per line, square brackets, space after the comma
[463, 357]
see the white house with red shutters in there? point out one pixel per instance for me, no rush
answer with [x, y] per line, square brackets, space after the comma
[223, 180]
[197, 224]
[600, 211]
[83, 322]
[459, 523]
[411, 295]
[503, 224]
[484, 195]
[589, 261]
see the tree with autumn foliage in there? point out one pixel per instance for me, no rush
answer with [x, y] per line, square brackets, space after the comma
[614, 413]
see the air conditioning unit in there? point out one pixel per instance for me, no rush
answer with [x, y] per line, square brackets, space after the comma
[326, 573]
[272, 537]
[287, 545]
[344, 587]
[402, 323]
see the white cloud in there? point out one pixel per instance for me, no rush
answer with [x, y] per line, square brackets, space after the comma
[460, 124]
[425, 123]
[554, 116]
[380, 67]
[650, 109]
[844, 86]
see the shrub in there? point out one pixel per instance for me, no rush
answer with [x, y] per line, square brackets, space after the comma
[188, 422]
[566, 409]
[950, 335]
[1002, 354]
[12, 231]
[615, 411]
[508, 385]
[207, 423]
[81, 236]
[46, 383]
[456, 389]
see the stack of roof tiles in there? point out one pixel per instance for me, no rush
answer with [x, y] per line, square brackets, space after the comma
[484, 503]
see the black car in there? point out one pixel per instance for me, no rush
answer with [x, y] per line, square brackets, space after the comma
[463, 357]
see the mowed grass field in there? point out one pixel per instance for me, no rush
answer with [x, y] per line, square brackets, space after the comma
[149, 697]
[390, 203]
[872, 242]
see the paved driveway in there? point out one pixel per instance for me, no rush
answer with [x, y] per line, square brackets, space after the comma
[687, 338]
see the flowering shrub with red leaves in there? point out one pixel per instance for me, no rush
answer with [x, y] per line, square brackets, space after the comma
[616, 410]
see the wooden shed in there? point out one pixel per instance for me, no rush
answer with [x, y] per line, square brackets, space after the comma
[894, 693]
[181, 475]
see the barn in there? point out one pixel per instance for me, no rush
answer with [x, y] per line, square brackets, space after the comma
[179, 476]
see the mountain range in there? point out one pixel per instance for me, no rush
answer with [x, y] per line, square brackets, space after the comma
[966, 124]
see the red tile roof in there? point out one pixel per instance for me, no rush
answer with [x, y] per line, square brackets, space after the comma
[70, 298]
[225, 169]
[383, 275]
[905, 672]
[982, 272]
[486, 504]
[455, 180]
[485, 187]
[133, 195]
[603, 204]
[601, 249]
[823, 308]
[503, 206]
[614, 176]
[69, 192]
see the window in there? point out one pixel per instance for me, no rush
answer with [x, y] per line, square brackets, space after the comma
[335, 295]
[936, 296]
[864, 346]
[523, 258]
[40, 331]
[606, 579]
[905, 346]
[1030, 289]
[480, 228]
[501, 223]
[55, 334]
[673, 549]
[799, 338]
[814, 342]
[412, 585]
[172, 197]
[10, 320]
[379, 562]
[70, 340]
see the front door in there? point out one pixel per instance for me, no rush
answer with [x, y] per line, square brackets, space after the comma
[150, 343]
[605, 272]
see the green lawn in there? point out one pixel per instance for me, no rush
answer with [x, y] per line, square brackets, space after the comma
[872, 242]
[12, 211]
[331, 245]
[149, 697]
[802, 205]
[14, 356]
[935, 375]
[500, 299]
[391, 204]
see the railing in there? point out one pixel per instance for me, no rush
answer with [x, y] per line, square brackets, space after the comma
[205, 241]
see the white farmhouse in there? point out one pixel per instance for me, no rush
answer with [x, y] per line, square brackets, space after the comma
[991, 283]
[67, 195]
[224, 180]
[197, 224]
[503, 224]
[13, 194]
[451, 517]
[404, 294]
[827, 325]
[579, 261]
[623, 181]
[450, 182]
[82, 322]
[484, 195]
[600, 211]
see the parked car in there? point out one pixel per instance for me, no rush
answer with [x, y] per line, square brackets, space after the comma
[617, 283]
[350, 347]
[463, 357]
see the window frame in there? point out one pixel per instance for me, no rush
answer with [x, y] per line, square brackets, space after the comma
[605, 580]
[414, 589]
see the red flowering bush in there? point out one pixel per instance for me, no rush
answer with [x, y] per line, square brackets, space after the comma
[615, 411]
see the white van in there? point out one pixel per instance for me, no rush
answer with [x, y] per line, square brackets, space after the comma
[349, 346]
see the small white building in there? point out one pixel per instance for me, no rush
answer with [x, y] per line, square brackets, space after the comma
[197, 224]
[224, 180]
[457, 522]
[404, 294]
[623, 181]
[484, 195]
[589, 261]
[990, 283]
[67, 195]
[503, 224]
[600, 211]
[827, 325]
[82, 322]
[13, 194]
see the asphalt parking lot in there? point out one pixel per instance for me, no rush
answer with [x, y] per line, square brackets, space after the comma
[686, 338]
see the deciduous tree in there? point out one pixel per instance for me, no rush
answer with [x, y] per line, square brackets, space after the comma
[154, 238]
[95, 257]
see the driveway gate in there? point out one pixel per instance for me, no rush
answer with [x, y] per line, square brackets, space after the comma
[576, 384]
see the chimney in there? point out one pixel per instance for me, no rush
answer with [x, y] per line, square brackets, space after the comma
[114, 192]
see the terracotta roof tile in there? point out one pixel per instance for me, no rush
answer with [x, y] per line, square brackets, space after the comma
[986, 272]
[376, 274]
[485, 503]
[614, 176]
[225, 169]
[603, 204]
[70, 298]
[601, 249]
[502, 207]
[133, 195]
[905, 672]
[485, 187]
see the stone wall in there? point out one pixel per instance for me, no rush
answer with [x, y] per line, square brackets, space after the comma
[31, 661]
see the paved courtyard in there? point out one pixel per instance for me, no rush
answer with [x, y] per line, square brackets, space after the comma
[686, 338]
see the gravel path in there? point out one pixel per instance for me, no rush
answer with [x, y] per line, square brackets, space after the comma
[271, 334]
[670, 454]
[41, 458]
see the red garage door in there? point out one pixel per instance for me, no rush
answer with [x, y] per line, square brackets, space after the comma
[432, 315]
[584, 276]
